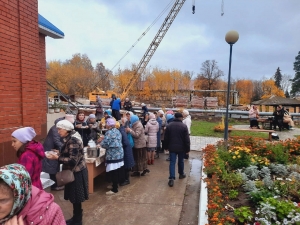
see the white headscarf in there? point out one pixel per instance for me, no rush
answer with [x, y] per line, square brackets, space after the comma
[65, 124]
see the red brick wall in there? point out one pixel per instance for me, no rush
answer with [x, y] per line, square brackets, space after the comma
[22, 73]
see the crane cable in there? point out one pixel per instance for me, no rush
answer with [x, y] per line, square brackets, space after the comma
[222, 8]
[145, 32]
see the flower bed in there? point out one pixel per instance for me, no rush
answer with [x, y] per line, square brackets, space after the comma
[252, 181]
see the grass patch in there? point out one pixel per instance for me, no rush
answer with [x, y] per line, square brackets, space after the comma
[206, 128]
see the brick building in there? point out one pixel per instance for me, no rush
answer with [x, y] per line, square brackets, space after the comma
[22, 71]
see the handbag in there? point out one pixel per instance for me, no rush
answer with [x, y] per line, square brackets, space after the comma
[65, 176]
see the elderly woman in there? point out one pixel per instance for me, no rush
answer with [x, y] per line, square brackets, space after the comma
[127, 147]
[81, 127]
[112, 142]
[253, 116]
[22, 203]
[30, 153]
[139, 149]
[187, 119]
[151, 128]
[72, 158]
[94, 127]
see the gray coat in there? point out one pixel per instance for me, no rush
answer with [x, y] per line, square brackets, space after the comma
[52, 141]
[138, 134]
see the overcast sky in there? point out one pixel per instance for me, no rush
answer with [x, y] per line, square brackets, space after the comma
[106, 29]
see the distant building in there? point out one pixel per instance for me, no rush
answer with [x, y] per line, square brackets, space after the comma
[22, 71]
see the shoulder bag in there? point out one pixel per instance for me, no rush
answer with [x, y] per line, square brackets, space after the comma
[65, 176]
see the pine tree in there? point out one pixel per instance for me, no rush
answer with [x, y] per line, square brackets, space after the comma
[278, 78]
[296, 79]
[287, 94]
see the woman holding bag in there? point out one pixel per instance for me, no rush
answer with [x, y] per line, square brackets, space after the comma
[72, 158]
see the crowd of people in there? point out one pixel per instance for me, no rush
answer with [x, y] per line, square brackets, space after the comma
[132, 144]
[281, 116]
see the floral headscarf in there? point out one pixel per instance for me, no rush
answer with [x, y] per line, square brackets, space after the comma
[18, 179]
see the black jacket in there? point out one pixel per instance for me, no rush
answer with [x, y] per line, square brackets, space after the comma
[127, 106]
[177, 138]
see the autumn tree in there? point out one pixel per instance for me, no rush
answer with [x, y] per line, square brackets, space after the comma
[245, 89]
[104, 75]
[278, 78]
[269, 88]
[210, 73]
[257, 90]
[296, 80]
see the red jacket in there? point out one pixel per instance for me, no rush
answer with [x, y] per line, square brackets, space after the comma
[32, 160]
[42, 210]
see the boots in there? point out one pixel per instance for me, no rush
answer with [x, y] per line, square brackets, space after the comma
[149, 161]
[76, 219]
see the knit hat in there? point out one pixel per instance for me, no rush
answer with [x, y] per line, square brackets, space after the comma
[110, 122]
[143, 104]
[92, 116]
[65, 124]
[169, 116]
[170, 112]
[24, 134]
[185, 112]
[70, 118]
[151, 116]
[161, 112]
[178, 115]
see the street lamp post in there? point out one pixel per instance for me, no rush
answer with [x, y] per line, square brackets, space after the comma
[231, 38]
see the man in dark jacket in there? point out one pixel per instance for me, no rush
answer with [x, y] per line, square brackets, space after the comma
[177, 140]
[127, 105]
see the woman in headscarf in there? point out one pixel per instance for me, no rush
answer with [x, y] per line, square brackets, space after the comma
[72, 158]
[30, 153]
[127, 144]
[23, 203]
[81, 127]
[94, 127]
[139, 149]
[114, 157]
[151, 128]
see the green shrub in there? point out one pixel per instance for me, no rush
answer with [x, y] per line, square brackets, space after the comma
[257, 196]
[233, 194]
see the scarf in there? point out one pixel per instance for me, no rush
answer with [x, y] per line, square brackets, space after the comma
[18, 179]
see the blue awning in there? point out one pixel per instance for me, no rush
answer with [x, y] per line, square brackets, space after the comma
[47, 28]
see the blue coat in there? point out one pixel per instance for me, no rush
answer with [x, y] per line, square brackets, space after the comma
[128, 155]
[52, 141]
[116, 105]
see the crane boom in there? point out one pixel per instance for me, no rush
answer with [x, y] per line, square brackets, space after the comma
[153, 46]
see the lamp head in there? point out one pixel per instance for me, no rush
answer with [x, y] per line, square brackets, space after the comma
[231, 37]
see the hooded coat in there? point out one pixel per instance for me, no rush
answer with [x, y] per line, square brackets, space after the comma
[32, 158]
[52, 141]
[151, 128]
[34, 205]
[138, 133]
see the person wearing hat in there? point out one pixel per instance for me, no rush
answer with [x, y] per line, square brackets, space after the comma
[107, 114]
[187, 119]
[82, 128]
[127, 105]
[114, 157]
[161, 114]
[144, 109]
[169, 119]
[30, 153]
[140, 148]
[72, 158]
[177, 141]
[94, 127]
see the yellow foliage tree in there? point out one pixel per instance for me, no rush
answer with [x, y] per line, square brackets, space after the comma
[245, 89]
[269, 88]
